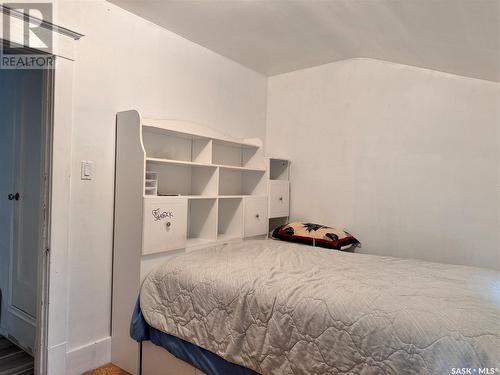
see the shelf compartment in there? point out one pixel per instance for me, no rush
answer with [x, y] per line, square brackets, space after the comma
[241, 182]
[202, 221]
[165, 144]
[230, 222]
[151, 183]
[184, 179]
[279, 169]
[228, 154]
[275, 222]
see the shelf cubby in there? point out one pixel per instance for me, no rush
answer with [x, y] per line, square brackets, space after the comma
[236, 155]
[241, 182]
[202, 221]
[177, 178]
[165, 144]
[279, 169]
[275, 222]
[230, 214]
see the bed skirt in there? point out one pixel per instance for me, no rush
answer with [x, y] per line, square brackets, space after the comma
[202, 359]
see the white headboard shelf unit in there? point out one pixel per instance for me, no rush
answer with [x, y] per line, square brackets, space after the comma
[202, 188]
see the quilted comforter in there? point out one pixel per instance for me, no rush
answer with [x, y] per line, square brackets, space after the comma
[282, 308]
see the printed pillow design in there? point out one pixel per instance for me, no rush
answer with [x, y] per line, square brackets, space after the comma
[316, 235]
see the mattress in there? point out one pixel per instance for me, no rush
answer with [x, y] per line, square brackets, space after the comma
[283, 308]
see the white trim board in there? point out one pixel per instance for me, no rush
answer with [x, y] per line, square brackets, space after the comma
[89, 356]
[60, 219]
[56, 359]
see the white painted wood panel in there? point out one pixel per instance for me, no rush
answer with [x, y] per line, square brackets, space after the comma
[128, 229]
[279, 195]
[165, 224]
[255, 216]
[158, 361]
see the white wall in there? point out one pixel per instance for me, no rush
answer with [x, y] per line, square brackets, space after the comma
[404, 158]
[388, 127]
[122, 63]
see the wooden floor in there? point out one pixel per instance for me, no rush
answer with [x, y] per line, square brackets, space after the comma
[107, 370]
[13, 360]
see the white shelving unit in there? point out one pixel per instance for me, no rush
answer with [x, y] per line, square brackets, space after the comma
[179, 186]
[278, 188]
[214, 173]
[222, 173]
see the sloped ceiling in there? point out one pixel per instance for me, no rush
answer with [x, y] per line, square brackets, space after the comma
[278, 36]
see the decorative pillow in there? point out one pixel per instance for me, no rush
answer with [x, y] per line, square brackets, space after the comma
[315, 235]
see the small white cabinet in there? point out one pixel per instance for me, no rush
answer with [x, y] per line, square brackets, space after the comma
[164, 224]
[279, 198]
[256, 218]
[278, 189]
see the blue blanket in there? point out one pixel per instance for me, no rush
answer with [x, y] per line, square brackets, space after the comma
[206, 361]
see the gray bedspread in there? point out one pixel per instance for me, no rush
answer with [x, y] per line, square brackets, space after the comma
[281, 308]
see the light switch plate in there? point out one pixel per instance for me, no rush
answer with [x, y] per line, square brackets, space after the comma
[87, 170]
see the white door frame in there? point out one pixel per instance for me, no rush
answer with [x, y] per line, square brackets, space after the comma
[59, 219]
[44, 257]
[53, 340]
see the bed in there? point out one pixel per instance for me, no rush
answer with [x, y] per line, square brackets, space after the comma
[279, 308]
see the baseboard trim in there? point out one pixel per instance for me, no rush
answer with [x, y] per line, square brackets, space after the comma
[56, 359]
[88, 357]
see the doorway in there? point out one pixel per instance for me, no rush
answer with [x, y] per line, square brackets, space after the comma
[25, 145]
